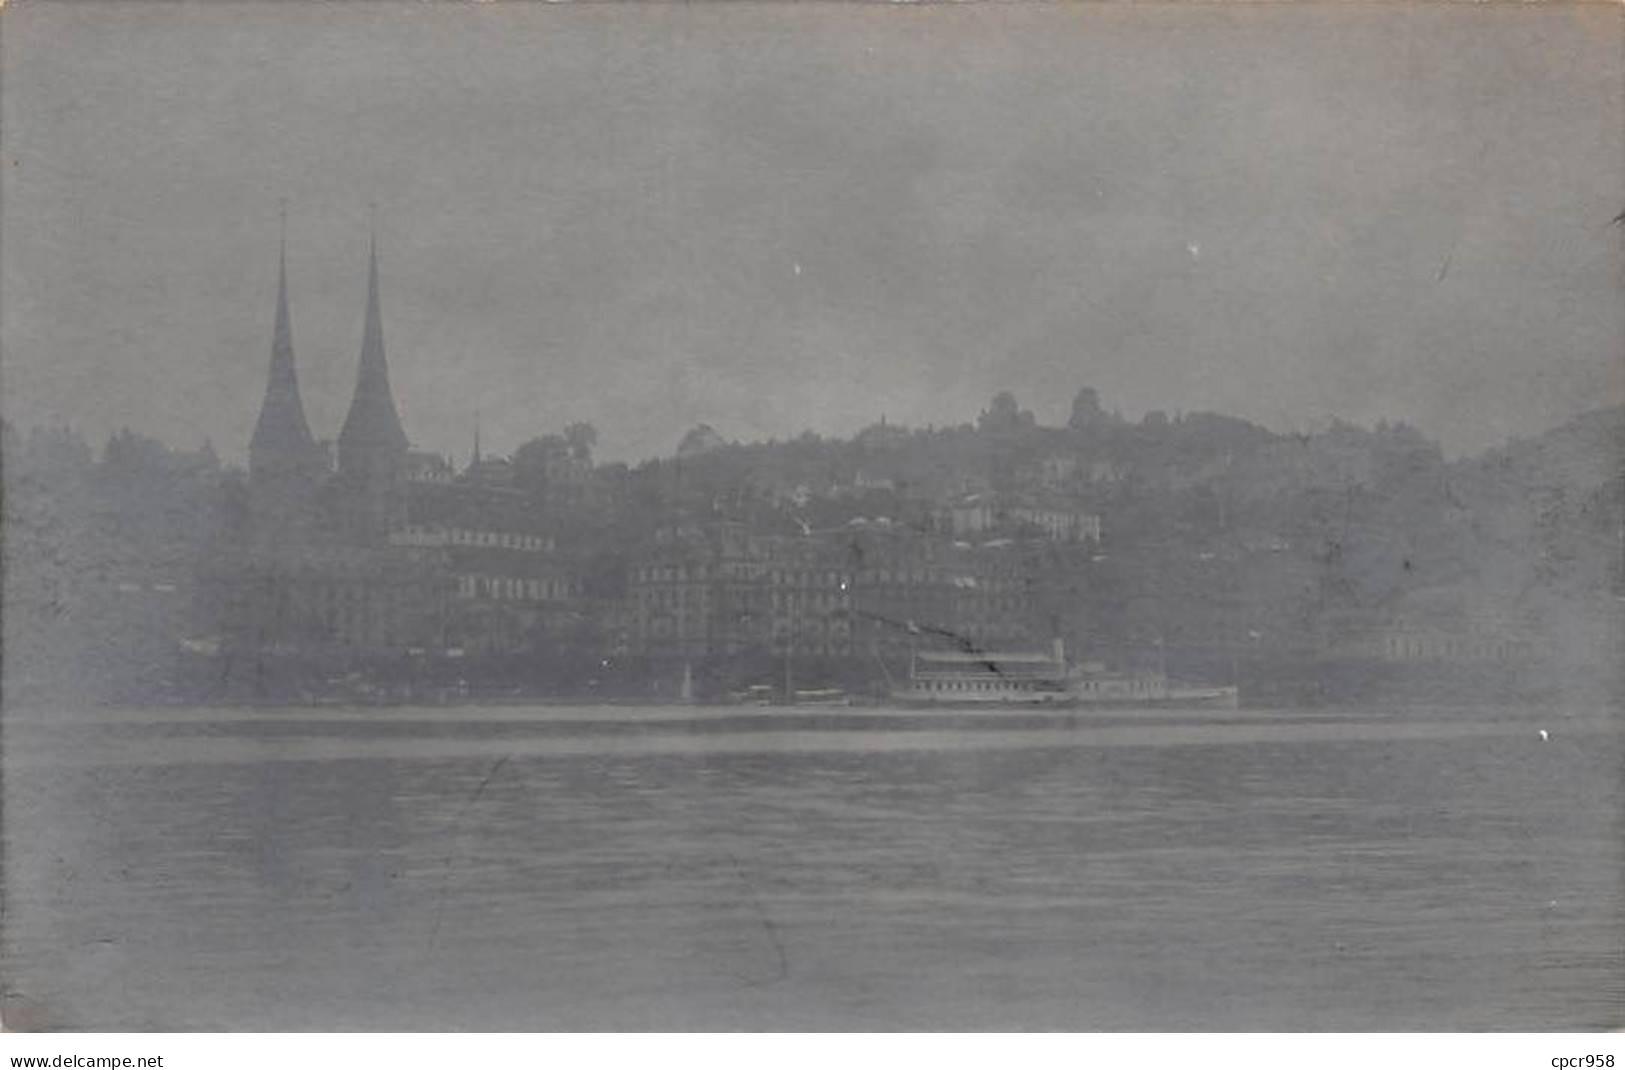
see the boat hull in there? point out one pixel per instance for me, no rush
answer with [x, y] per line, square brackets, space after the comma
[1226, 698]
[909, 698]
[1172, 698]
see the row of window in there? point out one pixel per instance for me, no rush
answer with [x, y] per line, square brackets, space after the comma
[1135, 685]
[978, 685]
[809, 578]
[1132, 686]
[1057, 525]
[817, 602]
[422, 535]
[668, 599]
[513, 588]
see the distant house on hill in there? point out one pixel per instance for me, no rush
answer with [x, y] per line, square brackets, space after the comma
[986, 514]
[1060, 470]
[423, 466]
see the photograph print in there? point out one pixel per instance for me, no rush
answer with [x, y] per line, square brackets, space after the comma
[812, 517]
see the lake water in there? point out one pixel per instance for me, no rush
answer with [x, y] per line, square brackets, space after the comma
[621, 868]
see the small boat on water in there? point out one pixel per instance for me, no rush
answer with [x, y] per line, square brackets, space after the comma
[820, 696]
[768, 695]
[754, 695]
[1042, 679]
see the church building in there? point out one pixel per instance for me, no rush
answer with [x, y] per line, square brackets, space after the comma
[372, 552]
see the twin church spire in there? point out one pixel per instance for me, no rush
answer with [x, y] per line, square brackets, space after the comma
[372, 428]
[372, 444]
[282, 442]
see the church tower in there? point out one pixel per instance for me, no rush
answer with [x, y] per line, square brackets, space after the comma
[372, 446]
[285, 465]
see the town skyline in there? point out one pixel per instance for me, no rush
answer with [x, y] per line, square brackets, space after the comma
[604, 453]
[591, 224]
[235, 454]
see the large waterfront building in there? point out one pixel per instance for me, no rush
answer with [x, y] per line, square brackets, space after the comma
[837, 606]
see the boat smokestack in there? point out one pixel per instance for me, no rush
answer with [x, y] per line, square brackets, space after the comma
[1059, 647]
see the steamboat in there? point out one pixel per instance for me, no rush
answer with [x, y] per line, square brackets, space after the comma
[1044, 679]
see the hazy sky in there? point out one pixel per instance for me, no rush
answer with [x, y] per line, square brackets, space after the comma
[777, 217]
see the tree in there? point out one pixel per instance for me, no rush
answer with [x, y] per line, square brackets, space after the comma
[540, 461]
[701, 439]
[541, 454]
[580, 438]
[1003, 414]
[1086, 411]
[128, 455]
